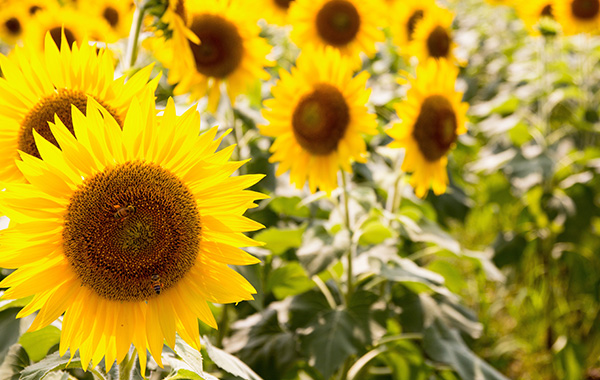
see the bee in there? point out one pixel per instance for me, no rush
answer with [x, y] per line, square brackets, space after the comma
[156, 284]
[123, 212]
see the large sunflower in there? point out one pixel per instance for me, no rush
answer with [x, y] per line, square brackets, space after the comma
[404, 16]
[224, 48]
[577, 16]
[431, 118]
[36, 86]
[351, 26]
[128, 232]
[432, 37]
[317, 117]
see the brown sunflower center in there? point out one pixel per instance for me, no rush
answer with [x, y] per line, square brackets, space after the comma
[69, 35]
[284, 4]
[338, 22]
[547, 11]
[13, 26]
[38, 117]
[438, 42]
[435, 127]
[111, 15]
[132, 231]
[412, 23]
[585, 9]
[321, 119]
[33, 9]
[221, 47]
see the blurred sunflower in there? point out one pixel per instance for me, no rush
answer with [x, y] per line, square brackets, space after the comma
[318, 115]
[351, 26]
[224, 48]
[128, 232]
[12, 22]
[276, 11]
[431, 118]
[117, 14]
[36, 86]
[577, 16]
[531, 12]
[405, 16]
[77, 26]
[432, 37]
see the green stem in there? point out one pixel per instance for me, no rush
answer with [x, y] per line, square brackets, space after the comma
[126, 366]
[351, 233]
[223, 325]
[134, 34]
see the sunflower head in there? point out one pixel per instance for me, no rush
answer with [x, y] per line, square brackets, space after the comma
[578, 16]
[404, 18]
[351, 26]
[432, 37]
[127, 230]
[431, 118]
[48, 84]
[216, 44]
[12, 23]
[116, 15]
[276, 11]
[534, 12]
[317, 116]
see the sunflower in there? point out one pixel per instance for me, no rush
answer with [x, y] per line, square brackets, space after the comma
[533, 11]
[317, 116]
[116, 13]
[224, 47]
[577, 16]
[433, 36]
[77, 26]
[38, 85]
[128, 232]
[431, 118]
[276, 11]
[12, 22]
[405, 16]
[351, 26]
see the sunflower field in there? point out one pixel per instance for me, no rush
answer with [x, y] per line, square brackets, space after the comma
[299, 189]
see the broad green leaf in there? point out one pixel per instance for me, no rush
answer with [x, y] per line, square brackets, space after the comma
[37, 343]
[306, 307]
[228, 362]
[280, 240]
[9, 329]
[374, 232]
[185, 374]
[14, 362]
[52, 362]
[189, 355]
[320, 248]
[331, 341]
[289, 206]
[289, 280]
[7, 304]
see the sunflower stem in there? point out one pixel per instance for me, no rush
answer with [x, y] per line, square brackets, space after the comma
[134, 34]
[126, 366]
[351, 233]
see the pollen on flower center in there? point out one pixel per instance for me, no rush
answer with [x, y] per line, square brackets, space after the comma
[60, 104]
[412, 23]
[221, 47]
[111, 15]
[129, 224]
[284, 4]
[338, 22]
[435, 127]
[438, 42]
[13, 26]
[320, 119]
[585, 9]
[55, 33]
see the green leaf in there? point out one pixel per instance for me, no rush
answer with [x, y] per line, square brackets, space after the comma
[228, 362]
[21, 302]
[37, 343]
[445, 345]
[189, 355]
[374, 232]
[320, 249]
[280, 240]
[52, 362]
[14, 362]
[305, 308]
[9, 329]
[289, 280]
[331, 341]
[289, 206]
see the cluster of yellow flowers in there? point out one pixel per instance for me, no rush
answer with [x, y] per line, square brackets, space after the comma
[124, 217]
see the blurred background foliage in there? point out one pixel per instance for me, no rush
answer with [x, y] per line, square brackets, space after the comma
[498, 278]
